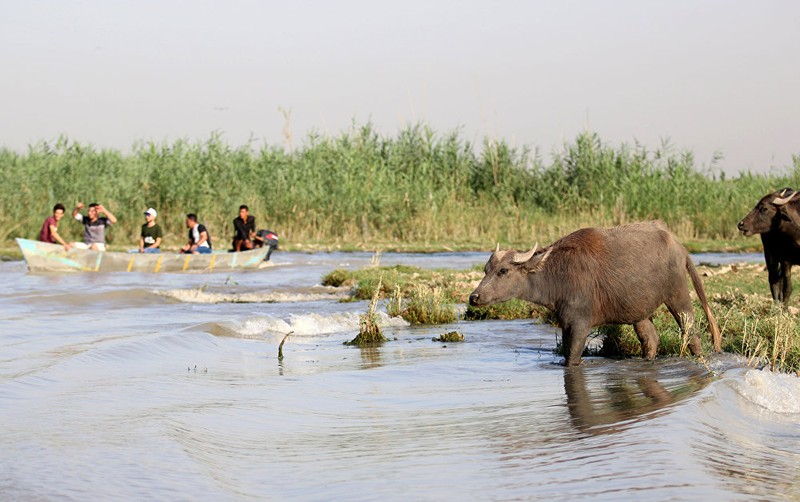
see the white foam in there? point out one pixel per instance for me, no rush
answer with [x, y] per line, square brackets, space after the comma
[777, 392]
[307, 324]
[200, 296]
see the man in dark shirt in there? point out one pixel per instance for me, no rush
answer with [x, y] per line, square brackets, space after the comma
[150, 240]
[244, 229]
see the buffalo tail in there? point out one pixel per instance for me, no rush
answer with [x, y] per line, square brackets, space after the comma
[713, 327]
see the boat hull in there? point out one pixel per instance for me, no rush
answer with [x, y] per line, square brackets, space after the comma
[46, 257]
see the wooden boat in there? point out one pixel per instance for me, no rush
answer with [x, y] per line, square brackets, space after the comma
[46, 257]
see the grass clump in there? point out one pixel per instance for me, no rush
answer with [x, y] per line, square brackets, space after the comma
[369, 332]
[383, 280]
[455, 285]
[337, 278]
[419, 296]
[425, 304]
[428, 305]
[772, 341]
[450, 336]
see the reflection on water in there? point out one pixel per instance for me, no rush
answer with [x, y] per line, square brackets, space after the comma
[608, 399]
[370, 357]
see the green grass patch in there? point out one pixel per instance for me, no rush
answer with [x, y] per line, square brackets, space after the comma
[428, 305]
[401, 280]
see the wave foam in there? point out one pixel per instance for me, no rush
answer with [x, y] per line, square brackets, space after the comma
[300, 325]
[199, 295]
[777, 392]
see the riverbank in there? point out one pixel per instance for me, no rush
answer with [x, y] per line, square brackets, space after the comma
[738, 295]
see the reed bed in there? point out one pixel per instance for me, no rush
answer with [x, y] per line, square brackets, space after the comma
[364, 190]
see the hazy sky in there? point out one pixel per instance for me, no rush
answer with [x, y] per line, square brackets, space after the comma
[712, 76]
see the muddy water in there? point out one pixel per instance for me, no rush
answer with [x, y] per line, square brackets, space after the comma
[169, 387]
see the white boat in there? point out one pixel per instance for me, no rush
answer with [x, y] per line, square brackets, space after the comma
[46, 257]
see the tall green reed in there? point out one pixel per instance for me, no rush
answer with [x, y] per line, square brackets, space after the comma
[360, 187]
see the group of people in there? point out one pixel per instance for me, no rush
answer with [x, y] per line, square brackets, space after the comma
[199, 240]
[94, 231]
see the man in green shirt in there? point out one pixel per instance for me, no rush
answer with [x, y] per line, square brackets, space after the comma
[150, 241]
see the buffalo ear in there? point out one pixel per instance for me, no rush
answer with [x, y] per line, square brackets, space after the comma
[537, 262]
[785, 214]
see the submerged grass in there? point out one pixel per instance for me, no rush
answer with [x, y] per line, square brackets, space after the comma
[418, 189]
[450, 337]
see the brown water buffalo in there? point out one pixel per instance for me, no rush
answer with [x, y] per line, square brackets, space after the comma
[776, 219]
[597, 276]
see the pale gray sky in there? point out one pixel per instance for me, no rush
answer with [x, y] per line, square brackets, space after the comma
[713, 76]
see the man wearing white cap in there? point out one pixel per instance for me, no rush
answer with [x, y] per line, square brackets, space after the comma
[150, 241]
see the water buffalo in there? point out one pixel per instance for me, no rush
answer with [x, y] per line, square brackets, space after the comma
[775, 218]
[597, 276]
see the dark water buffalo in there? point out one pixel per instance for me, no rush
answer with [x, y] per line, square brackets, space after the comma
[597, 276]
[776, 219]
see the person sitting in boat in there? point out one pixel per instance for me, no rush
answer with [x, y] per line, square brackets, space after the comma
[94, 226]
[150, 241]
[49, 232]
[244, 229]
[199, 238]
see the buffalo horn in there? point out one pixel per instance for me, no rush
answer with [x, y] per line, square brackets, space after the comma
[544, 259]
[497, 249]
[540, 264]
[779, 201]
[523, 257]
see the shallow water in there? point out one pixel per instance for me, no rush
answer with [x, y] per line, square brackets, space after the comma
[169, 387]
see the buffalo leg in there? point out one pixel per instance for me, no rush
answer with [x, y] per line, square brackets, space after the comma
[681, 309]
[648, 337]
[573, 337]
[775, 276]
[786, 286]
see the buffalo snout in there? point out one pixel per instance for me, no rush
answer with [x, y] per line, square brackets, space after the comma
[473, 299]
[744, 228]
